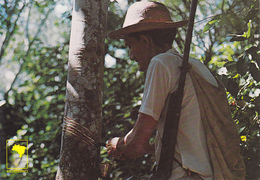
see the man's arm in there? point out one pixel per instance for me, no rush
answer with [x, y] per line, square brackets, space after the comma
[136, 142]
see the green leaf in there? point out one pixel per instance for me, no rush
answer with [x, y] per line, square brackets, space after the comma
[237, 38]
[254, 52]
[213, 21]
[254, 71]
[244, 36]
[242, 66]
[232, 87]
[257, 102]
[231, 66]
[248, 33]
[206, 27]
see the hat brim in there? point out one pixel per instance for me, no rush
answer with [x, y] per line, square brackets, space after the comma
[144, 26]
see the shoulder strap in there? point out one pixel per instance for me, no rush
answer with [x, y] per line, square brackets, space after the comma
[169, 137]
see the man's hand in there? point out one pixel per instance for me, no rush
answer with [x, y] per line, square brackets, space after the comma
[136, 142]
[113, 149]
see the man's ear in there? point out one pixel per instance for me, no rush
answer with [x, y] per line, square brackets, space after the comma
[147, 40]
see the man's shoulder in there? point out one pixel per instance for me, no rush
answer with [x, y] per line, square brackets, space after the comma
[170, 57]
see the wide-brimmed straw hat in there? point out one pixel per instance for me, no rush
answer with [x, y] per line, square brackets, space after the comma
[144, 16]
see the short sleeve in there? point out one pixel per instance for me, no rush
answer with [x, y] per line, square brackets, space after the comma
[158, 84]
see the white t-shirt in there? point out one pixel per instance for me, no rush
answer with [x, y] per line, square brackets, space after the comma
[161, 80]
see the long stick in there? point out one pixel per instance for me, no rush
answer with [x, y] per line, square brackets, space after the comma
[171, 125]
[189, 36]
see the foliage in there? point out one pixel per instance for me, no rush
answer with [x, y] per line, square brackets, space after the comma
[34, 52]
[242, 79]
[32, 104]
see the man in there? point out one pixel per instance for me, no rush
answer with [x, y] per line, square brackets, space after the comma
[149, 32]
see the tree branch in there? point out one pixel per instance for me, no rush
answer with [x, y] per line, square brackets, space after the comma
[40, 26]
[27, 25]
[9, 34]
[222, 6]
[27, 51]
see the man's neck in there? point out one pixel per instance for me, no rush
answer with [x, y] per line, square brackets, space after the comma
[158, 50]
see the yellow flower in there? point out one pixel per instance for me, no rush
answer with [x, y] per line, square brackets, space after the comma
[243, 138]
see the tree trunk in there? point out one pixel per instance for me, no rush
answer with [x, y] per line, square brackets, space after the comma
[79, 157]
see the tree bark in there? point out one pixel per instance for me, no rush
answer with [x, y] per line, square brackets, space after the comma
[79, 156]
